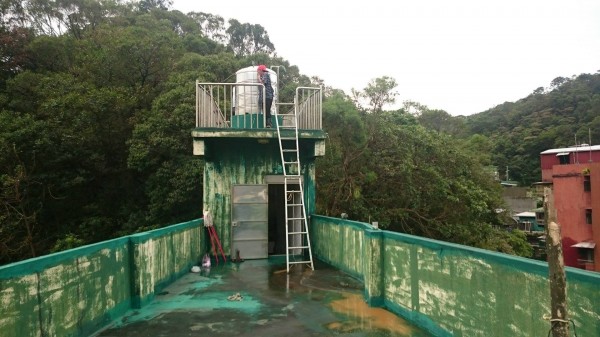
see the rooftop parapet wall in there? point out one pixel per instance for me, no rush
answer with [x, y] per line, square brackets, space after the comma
[79, 291]
[453, 290]
[161, 256]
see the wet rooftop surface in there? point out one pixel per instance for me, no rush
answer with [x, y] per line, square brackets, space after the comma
[258, 298]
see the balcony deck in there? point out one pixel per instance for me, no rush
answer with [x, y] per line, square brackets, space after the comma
[236, 106]
[304, 303]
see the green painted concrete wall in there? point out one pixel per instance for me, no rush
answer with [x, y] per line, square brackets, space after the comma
[160, 256]
[79, 291]
[234, 161]
[453, 290]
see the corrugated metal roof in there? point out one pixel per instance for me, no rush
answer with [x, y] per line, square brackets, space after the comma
[573, 149]
[527, 214]
[586, 244]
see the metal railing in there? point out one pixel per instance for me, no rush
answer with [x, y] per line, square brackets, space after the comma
[236, 105]
[216, 104]
[309, 105]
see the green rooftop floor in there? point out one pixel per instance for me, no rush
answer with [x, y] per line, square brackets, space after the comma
[322, 302]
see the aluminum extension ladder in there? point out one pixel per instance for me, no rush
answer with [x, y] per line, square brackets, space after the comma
[297, 239]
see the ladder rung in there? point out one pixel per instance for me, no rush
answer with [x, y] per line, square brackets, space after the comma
[292, 205]
[287, 138]
[293, 191]
[301, 218]
[290, 150]
[298, 247]
[296, 262]
[296, 233]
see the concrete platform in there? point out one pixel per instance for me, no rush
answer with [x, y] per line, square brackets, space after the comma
[258, 298]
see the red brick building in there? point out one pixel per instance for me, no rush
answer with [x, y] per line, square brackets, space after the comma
[575, 176]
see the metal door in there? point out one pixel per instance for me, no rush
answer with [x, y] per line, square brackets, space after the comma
[249, 223]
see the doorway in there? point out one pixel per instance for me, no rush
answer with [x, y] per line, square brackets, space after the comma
[276, 220]
[258, 219]
[249, 221]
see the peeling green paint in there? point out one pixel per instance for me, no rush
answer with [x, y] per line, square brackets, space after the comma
[448, 289]
[453, 290]
[373, 256]
[246, 157]
[78, 291]
[198, 295]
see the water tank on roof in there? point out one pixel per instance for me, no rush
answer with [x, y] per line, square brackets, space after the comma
[246, 100]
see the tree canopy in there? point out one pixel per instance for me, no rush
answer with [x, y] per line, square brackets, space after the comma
[97, 103]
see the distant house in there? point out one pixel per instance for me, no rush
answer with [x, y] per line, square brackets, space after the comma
[574, 175]
[528, 222]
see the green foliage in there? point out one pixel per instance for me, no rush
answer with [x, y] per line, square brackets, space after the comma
[514, 243]
[212, 26]
[440, 121]
[556, 117]
[339, 173]
[246, 39]
[14, 55]
[379, 92]
[148, 5]
[97, 104]
[160, 152]
[69, 241]
[19, 191]
[386, 167]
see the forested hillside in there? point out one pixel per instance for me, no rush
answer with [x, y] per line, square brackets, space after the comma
[567, 113]
[97, 105]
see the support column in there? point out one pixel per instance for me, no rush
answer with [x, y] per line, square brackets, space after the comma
[373, 273]
[558, 282]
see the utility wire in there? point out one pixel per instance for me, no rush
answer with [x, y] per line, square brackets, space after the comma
[554, 321]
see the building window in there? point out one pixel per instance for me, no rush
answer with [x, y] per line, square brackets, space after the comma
[525, 226]
[587, 184]
[540, 219]
[586, 255]
[588, 216]
[564, 158]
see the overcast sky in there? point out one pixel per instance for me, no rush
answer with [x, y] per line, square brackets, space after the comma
[461, 56]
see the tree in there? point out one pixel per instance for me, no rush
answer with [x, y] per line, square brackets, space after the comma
[557, 82]
[147, 5]
[414, 108]
[246, 39]
[139, 57]
[211, 26]
[379, 92]
[19, 209]
[159, 151]
[440, 121]
[480, 148]
[341, 171]
[14, 56]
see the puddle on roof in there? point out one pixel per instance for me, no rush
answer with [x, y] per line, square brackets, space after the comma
[361, 317]
[270, 302]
